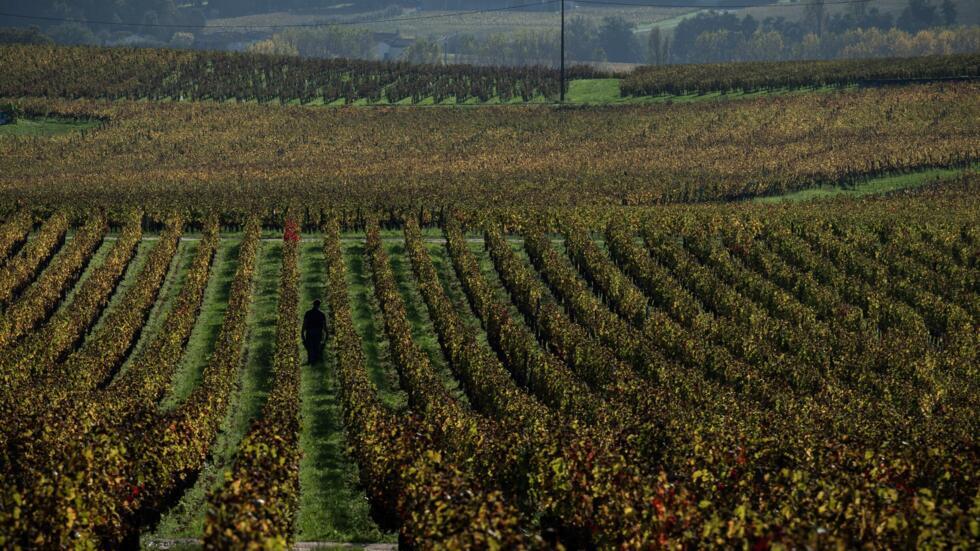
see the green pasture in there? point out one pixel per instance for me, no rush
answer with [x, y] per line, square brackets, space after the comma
[605, 91]
[871, 186]
[44, 127]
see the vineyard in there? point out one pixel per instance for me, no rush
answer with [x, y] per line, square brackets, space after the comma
[180, 75]
[114, 73]
[714, 375]
[250, 157]
[547, 327]
[750, 76]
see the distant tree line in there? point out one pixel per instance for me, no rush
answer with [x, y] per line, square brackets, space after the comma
[725, 46]
[860, 31]
[611, 39]
[322, 42]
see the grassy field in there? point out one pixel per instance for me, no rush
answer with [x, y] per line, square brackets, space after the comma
[872, 186]
[43, 127]
[477, 23]
[605, 91]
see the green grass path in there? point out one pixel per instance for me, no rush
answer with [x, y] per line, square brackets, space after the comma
[186, 518]
[368, 323]
[871, 186]
[333, 507]
[43, 127]
[204, 335]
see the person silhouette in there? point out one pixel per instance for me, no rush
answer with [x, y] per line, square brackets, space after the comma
[314, 332]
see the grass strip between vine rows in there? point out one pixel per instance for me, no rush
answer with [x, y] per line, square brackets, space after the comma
[257, 504]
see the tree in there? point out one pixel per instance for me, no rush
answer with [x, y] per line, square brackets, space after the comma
[764, 46]
[617, 39]
[949, 12]
[581, 39]
[72, 33]
[18, 35]
[815, 16]
[182, 40]
[657, 47]
[918, 15]
[422, 51]
[273, 47]
[687, 32]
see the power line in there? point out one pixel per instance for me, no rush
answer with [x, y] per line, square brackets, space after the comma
[720, 7]
[287, 26]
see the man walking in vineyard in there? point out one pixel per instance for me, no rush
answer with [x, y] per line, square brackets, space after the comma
[314, 332]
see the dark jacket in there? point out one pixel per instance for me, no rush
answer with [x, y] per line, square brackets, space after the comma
[314, 324]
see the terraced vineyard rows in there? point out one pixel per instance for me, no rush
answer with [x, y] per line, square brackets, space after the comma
[693, 376]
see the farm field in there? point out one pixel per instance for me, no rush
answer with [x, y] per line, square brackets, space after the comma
[687, 358]
[738, 308]
[437, 22]
[505, 156]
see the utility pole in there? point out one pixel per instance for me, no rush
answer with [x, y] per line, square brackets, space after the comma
[562, 92]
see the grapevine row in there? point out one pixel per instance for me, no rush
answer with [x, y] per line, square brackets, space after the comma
[748, 76]
[82, 442]
[257, 504]
[411, 485]
[39, 351]
[41, 298]
[106, 348]
[640, 405]
[196, 75]
[13, 233]
[533, 368]
[567, 497]
[23, 268]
